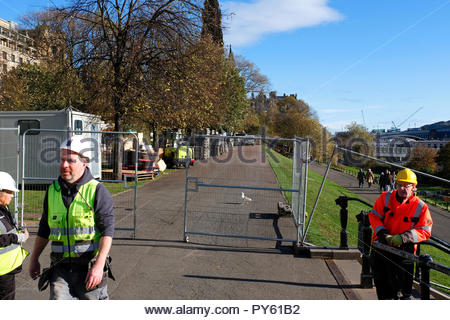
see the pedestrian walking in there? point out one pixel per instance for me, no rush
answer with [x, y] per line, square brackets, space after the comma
[389, 180]
[382, 181]
[78, 219]
[399, 219]
[370, 177]
[361, 177]
[12, 254]
[394, 179]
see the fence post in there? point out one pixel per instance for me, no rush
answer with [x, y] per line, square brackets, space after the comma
[343, 203]
[417, 272]
[425, 276]
[364, 244]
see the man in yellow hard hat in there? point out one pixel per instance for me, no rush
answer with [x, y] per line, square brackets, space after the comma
[400, 219]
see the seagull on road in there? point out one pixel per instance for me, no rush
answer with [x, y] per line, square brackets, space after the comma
[245, 198]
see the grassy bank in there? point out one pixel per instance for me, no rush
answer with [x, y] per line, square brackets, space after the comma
[325, 226]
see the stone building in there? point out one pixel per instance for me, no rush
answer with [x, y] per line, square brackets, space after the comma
[262, 103]
[15, 46]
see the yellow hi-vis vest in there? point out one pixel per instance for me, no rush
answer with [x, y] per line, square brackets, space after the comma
[72, 231]
[12, 256]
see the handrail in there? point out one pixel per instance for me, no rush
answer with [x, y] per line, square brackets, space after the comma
[440, 241]
[437, 245]
[430, 263]
[424, 262]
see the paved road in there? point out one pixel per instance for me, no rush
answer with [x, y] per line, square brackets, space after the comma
[158, 264]
[441, 218]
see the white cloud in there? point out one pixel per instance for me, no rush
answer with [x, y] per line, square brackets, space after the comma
[250, 21]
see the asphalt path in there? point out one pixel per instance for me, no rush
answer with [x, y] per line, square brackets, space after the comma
[441, 218]
[159, 264]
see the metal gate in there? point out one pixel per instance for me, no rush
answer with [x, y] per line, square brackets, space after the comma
[236, 184]
[40, 167]
[9, 159]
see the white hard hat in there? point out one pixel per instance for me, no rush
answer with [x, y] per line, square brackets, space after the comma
[78, 144]
[7, 182]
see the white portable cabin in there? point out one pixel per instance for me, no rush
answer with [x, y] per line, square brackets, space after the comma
[42, 144]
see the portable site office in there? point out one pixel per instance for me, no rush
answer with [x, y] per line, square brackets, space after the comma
[41, 148]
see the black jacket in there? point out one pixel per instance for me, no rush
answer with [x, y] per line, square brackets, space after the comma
[103, 206]
[7, 220]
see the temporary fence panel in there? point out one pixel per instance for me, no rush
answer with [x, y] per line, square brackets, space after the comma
[40, 167]
[9, 159]
[234, 188]
[299, 181]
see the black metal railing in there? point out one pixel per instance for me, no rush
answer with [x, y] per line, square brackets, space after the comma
[423, 262]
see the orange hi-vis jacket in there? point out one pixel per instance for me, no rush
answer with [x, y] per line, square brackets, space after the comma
[411, 218]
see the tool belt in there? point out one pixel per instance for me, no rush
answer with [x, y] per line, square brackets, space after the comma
[46, 274]
[107, 272]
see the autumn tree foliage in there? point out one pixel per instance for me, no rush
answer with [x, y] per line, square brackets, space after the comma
[423, 159]
[291, 118]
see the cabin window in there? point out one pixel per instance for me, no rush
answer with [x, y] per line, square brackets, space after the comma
[29, 124]
[78, 124]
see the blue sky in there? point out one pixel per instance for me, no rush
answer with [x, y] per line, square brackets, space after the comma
[370, 61]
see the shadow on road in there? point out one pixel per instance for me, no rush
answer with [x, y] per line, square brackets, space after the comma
[300, 284]
[279, 249]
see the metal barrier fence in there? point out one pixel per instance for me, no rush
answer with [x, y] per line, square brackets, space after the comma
[299, 181]
[9, 159]
[40, 167]
[234, 188]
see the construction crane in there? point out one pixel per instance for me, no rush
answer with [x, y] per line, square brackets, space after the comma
[364, 120]
[399, 125]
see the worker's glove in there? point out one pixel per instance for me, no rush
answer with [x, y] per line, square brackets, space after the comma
[22, 237]
[394, 241]
[381, 235]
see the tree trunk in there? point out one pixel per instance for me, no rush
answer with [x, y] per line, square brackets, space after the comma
[117, 149]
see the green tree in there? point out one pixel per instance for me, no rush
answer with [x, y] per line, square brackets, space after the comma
[41, 87]
[252, 123]
[234, 99]
[212, 21]
[356, 138]
[443, 161]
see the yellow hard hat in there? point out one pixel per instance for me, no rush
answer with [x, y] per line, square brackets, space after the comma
[407, 175]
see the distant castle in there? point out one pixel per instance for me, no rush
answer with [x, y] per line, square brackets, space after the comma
[262, 103]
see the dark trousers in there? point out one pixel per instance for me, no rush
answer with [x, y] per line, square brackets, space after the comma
[7, 287]
[392, 274]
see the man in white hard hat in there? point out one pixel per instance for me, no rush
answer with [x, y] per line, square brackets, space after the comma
[78, 219]
[12, 254]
